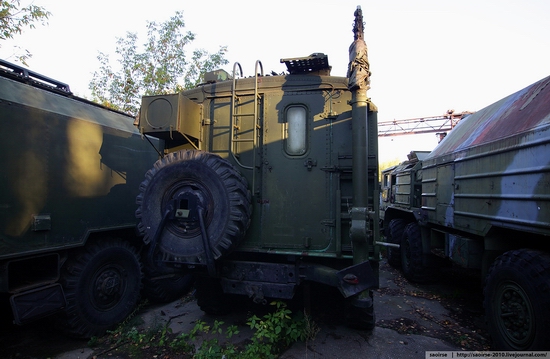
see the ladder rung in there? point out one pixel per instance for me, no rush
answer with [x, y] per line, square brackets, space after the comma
[243, 114]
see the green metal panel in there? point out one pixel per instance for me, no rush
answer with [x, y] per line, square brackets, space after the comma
[171, 117]
[429, 188]
[68, 168]
[220, 130]
[301, 202]
[294, 192]
[444, 214]
[493, 168]
[403, 188]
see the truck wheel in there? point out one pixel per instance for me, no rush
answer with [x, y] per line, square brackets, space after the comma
[161, 283]
[194, 178]
[517, 300]
[210, 296]
[166, 288]
[102, 285]
[395, 233]
[360, 311]
[411, 255]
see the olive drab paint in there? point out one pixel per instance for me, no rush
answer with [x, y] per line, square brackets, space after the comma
[305, 145]
[70, 174]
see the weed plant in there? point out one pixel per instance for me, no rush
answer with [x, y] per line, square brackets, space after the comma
[272, 333]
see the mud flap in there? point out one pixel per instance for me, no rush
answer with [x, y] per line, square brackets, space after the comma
[37, 303]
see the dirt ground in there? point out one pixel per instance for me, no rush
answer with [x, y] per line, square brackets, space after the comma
[410, 319]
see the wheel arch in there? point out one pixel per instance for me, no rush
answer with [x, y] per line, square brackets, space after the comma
[392, 213]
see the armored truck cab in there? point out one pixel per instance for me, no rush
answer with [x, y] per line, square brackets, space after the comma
[70, 173]
[485, 205]
[267, 182]
[401, 184]
[401, 188]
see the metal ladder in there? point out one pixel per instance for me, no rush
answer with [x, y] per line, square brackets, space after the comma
[236, 117]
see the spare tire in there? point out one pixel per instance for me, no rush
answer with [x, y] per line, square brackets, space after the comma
[190, 179]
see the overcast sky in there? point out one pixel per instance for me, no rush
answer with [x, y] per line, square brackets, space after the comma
[426, 56]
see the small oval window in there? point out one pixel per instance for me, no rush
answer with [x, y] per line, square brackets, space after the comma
[296, 125]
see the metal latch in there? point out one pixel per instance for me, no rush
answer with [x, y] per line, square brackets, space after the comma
[309, 163]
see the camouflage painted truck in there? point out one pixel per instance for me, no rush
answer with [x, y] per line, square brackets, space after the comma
[70, 174]
[267, 183]
[481, 198]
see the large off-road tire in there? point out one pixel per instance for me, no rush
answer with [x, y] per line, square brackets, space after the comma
[200, 179]
[210, 296]
[411, 256]
[166, 288]
[360, 311]
[161, 283]
[394, 235]
[517, 301]
[102, 286]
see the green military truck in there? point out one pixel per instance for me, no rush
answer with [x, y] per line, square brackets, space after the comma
[267, 182]
[70, 174]
[481, 198]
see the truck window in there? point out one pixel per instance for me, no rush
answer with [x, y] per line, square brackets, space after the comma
[296, 131]
[386, 180]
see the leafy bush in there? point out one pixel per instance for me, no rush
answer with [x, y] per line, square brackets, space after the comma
[273, 333]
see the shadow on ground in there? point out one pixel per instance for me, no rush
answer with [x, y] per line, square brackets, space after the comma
[410, 319]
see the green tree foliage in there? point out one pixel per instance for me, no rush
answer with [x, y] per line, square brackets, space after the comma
[160, 66]
[14, 18]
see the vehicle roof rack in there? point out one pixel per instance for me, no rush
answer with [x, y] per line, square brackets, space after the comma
[33, 78]
[314, 63]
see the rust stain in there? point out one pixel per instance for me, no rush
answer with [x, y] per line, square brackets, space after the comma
[520, 112]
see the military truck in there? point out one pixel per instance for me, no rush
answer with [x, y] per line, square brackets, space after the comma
[70, 174]
[481, 200]
[267, 183]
